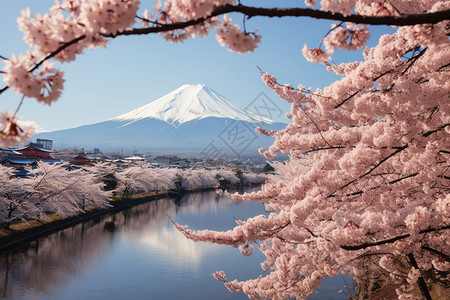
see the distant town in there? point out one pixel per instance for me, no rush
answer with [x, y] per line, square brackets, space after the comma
[42, 150]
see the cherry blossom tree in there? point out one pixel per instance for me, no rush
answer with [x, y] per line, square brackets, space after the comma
[366, 188]
[70, 26]
[14, 204]
[142, 179]
[198, 179]
[50, 189]
[131, 180]
[104, 172]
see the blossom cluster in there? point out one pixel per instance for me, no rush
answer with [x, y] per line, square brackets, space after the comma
[70, 26]
[142, 179]
[365, 191]
[237, 41]
[10, 131]
[65, 31]
[46, 86]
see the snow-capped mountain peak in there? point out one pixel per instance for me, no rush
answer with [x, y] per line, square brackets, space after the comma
[191, 102]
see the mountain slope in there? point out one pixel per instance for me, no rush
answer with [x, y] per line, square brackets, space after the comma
[191, 102]
[187, 119]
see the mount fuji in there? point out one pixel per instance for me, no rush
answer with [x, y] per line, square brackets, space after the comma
[190, 119]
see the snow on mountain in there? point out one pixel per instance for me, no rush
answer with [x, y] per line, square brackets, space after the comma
[187, 120]
[192, 102]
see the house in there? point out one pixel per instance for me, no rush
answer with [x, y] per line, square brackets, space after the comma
[20, 162]
[82, 159]
[135, 159]
[183, 163]
[120, 163]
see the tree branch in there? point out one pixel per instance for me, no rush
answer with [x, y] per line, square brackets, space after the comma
[391, 240]
[426, 134]
[346, 99]
[390, 182]
[325, 148]
[400, 149]
[250, 12]
[53, 54]
[437, 252]
[420, 281]
[413, 60]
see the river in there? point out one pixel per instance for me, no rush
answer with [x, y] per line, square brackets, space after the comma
[137, 254]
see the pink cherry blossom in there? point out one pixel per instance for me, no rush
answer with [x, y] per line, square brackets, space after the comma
[365, 189]
[45, 86]
[10, 132]
[237, 41]
[316, 55]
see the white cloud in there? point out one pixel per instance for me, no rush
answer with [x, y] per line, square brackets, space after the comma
[36, 126]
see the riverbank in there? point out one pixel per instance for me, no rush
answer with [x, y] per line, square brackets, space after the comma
[27, 231]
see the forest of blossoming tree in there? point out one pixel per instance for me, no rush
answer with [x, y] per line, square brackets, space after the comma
[60, 190]
[365, 191]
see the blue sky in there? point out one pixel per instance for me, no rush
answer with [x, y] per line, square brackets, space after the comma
[133, 71]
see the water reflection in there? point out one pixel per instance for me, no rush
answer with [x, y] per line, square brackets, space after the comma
[34, 268]
[133, 254]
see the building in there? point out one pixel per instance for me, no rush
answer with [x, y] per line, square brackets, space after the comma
[166, 159]
[18, 162]
[27, 155]
[82, 159]
[44, 143]
[182, 163]
[33, 150]
[135, 159]
[6, 152]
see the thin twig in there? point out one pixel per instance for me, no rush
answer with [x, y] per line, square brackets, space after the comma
[329, 31]
[18, 107]
[315, 125]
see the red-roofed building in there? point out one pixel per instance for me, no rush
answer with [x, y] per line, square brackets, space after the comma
[33, 150]
[82, 159]
[28, 155]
